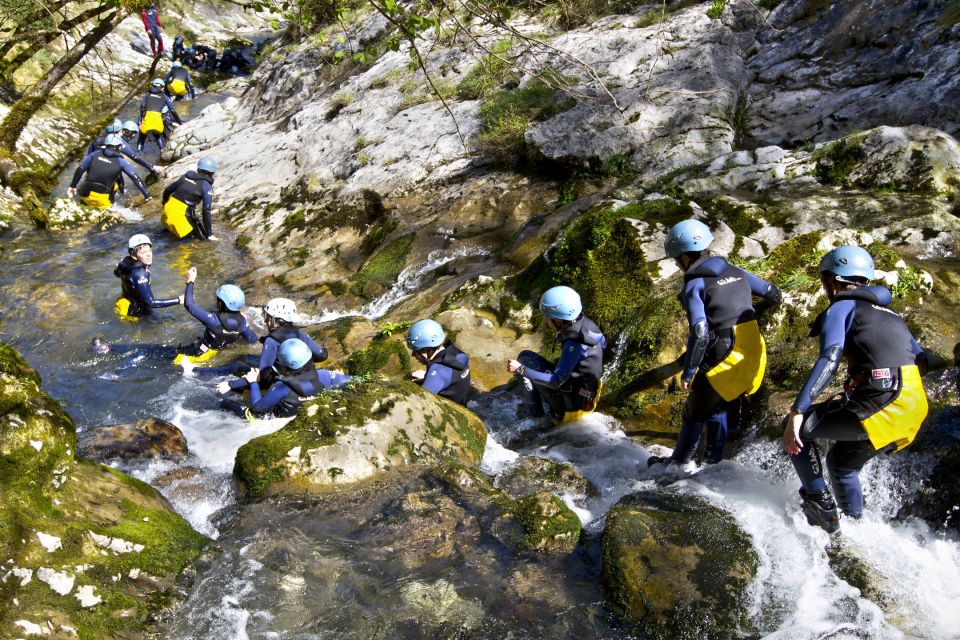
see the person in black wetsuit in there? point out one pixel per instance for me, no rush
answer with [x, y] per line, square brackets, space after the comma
[883, 404]
[116, 127]
[104, 169]
[281, 314]
[726, 355]
[570, 387]
[222, 328]
[179, 82]
[448, 369]
[137, 298]
[152, 114]
[182, 197]
[295, 379]
[178, 48]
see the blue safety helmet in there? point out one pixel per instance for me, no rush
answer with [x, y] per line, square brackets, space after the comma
[130, 125]
[560, 303]
[848, 261]
[113, 140]
[207, 164]
[114, 127]
[176, 64]
[294, 353]
[425, 334]
[687, 236]
[231, 296]
[157, 82]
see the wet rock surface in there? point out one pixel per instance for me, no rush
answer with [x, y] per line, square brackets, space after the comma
[533, 474]
[147, 439]
[677, 566]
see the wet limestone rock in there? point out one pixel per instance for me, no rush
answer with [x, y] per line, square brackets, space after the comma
[677, 566]
[84, 546]
[549, 526]
[67, 213]
[532, 474]
[357, 433]
[146, 439]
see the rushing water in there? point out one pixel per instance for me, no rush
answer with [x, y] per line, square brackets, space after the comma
[298, 570]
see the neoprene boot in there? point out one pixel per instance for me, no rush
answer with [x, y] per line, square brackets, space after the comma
[821, 510]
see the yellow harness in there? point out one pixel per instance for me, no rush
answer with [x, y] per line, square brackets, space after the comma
[741, 372]
[174, 218]
[203, 357]
[97, 200]
[152, 122]
[178, 87]
[898, 422]
[573, 416]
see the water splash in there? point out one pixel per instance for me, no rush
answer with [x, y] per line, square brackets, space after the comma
[619, 348]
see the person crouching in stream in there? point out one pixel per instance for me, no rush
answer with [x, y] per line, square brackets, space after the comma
[571, 387]
[104, 169]
[182, 197]
[222, 327]
[448, 369]
[136, 297]
[295, 380]
[726, 356]
[883, 402]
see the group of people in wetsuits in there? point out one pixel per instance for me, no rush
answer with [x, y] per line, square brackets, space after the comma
[880, 410]
[198, 56]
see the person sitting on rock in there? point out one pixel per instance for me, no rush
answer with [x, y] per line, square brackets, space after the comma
[151, 114]
[223, 327]
[179, 83]
[448, 369]
[137, 299]
[280, 314]
[726, 355]
[570, 387]
[883, 403]
[104, 169]
[180, 200]
[117, 128]
[296, 379]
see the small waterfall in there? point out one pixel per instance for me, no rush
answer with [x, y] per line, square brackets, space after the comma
[619, 348]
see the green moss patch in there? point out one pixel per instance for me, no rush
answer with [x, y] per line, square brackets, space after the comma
[837, 160]
[381, 271]
[384, 354]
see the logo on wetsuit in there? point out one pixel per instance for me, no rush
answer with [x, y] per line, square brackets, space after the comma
[879, 308]
[724, 281]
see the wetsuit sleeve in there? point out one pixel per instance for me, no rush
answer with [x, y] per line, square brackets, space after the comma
[170, 189]
[208, 208]
[238, 384]
[127, 169]
[84, 165]
[438, 378]
[697, 320]
[920, 357]
[573, 352]
[269, 354]
[142, 286]
[319, 351]
[136, 156]
[248, 333]
[833, 334]
[143, 16]
[263, 404]
[209, 320]
[173, 112]
[763, 289]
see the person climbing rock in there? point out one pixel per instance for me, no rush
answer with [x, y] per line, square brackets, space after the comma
[280, 315]
[117, 128]
[178, 82]
[180, 200]
[151, 114]
[178, 48]
[223, 326]
[726, 355]
[104, 169]
[295, 380]
[151, 22]
[883, 403]
[448, 369]
[571, 387]
[136, 298]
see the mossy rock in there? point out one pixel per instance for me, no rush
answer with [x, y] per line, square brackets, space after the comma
[676, 566]
[12, 363]
[381, 270]
[98, 531]
[532, 474]
[549, 526]
[386, 354]
[359, 432]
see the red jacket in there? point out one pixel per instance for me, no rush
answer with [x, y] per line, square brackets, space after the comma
[143, 16]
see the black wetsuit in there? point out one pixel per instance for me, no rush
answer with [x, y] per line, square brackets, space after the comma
[192, 189]
[135, 284]
[448, 375]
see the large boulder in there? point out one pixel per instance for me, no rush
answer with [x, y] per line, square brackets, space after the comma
[677, 566]
[146, 439]
[357, 433]
[86, 547]
[532, 474]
